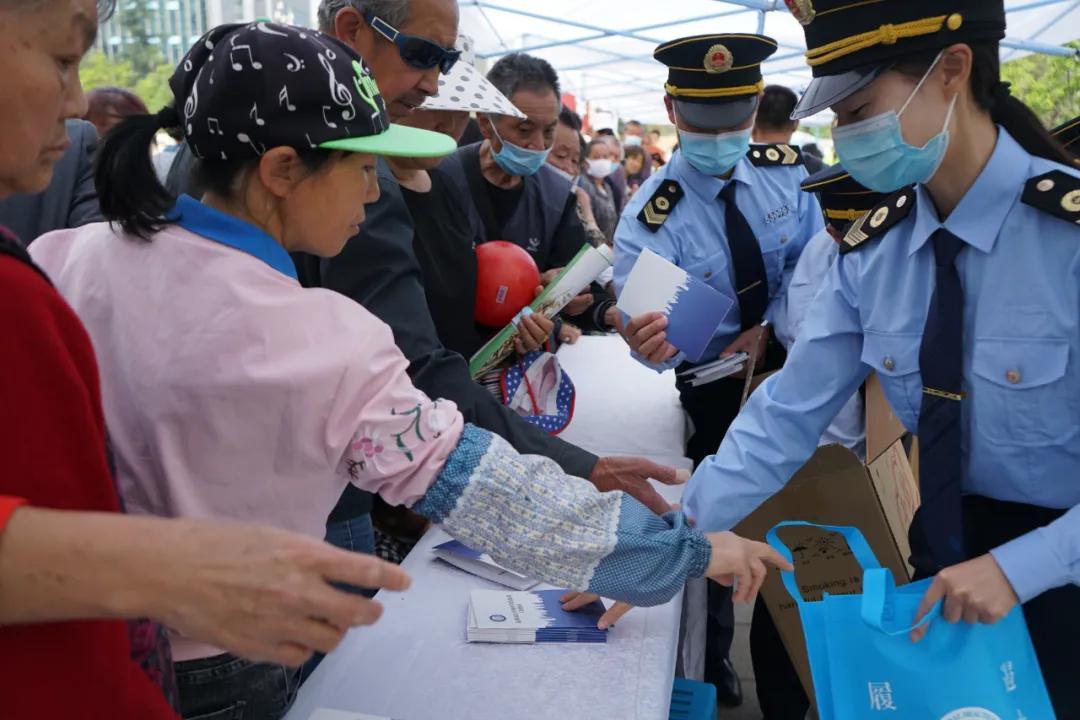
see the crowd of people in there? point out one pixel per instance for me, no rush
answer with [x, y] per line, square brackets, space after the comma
[238, 368]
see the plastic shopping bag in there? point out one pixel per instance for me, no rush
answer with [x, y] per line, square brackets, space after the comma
[864, 664]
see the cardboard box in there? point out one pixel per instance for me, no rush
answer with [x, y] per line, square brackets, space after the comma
[835, 488]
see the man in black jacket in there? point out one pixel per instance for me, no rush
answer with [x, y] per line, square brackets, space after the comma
[378, 269]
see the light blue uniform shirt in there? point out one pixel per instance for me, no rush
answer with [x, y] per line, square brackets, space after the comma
[1021, 416]
[695, 235]
[848, 428]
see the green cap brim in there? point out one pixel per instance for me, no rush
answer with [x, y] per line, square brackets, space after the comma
[398, 141]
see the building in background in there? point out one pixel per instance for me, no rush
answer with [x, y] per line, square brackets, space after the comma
[172, 26]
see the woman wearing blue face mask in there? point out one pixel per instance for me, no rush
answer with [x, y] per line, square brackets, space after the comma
[961, 290]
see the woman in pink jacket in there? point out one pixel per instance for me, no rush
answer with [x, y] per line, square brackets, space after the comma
[231, 391]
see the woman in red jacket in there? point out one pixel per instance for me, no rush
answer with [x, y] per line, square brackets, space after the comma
[71, 566]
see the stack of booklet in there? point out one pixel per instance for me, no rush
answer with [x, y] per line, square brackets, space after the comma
[531, 617]
[710, 372]
[480, 564]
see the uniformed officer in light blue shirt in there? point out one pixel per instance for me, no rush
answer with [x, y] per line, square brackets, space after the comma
[732, 215]
[682, 213]
[962, 291]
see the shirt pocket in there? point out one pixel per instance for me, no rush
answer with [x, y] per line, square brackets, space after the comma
[895, 358]
[1022, 393]
[713, 270]
[775, 243]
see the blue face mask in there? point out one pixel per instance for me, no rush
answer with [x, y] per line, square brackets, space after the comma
[714, 154]
[632, 141]
[516, 160]
[875, 153]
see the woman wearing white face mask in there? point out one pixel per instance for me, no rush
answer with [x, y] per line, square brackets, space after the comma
[961, 290]
[599, 165]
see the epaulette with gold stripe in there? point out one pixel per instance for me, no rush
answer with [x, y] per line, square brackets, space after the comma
[775, 155]
[656, 211]
[1055, 192]
[880, 219]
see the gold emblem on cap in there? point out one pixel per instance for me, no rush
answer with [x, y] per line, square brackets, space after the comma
[802, 10]
[880, 216]
[1071, 201]
[718, 59]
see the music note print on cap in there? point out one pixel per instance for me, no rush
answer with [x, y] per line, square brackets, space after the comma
[307, 93]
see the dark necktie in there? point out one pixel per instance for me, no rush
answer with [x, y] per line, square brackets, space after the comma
[941, 364]
[751, 283]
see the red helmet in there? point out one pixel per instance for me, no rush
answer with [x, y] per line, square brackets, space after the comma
[506, 280]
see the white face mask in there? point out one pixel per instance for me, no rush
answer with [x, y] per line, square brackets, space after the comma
[600, 169]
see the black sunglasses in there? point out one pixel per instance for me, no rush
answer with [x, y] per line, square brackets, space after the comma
[418, 52]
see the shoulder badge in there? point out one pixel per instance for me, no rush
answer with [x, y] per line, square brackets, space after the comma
[775, 155]
[656, 211]
[1057, 193]
[879, 220]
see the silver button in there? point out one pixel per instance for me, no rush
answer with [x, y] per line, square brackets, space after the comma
[889, 363]
[708, 275]
[783, 239]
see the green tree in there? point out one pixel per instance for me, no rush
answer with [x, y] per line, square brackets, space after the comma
[153, 88]
[98, 70]
[134, 18]
[1048, 84]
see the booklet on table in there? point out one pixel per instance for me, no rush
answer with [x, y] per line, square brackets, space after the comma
[496, 616]
[480, 564]
[529, 617]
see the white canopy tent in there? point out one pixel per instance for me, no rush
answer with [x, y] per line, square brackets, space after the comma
[602, 49]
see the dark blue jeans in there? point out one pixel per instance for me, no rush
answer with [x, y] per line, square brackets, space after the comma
[225, 687]
[357, 535]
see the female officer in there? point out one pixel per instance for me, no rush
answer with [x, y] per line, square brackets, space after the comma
[961, 290]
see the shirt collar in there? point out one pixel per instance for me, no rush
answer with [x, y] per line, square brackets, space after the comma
[709, 186]
[215, 225]
[978, 218]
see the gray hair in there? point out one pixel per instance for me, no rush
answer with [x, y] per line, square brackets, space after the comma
[393, 12]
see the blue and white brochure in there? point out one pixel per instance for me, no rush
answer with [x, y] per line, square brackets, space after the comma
[531, 617]
[694, 309]
[481, 564]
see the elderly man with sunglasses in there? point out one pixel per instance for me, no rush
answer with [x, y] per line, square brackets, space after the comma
[407, 43]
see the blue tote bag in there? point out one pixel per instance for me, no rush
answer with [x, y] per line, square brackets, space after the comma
[864, 664]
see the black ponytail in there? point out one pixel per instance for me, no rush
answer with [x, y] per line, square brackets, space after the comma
[1009, 111]
[994, 96]
[128, 189]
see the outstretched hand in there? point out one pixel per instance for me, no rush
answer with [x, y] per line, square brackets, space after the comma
[631, 475]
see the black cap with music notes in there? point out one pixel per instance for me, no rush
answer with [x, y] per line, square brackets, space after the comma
[245, 88]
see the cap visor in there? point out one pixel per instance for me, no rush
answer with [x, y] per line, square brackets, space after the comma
[474, 94]
[831, 89]
[397, 141]
[716, 116]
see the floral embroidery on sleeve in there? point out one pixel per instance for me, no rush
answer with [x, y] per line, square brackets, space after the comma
[368, 453]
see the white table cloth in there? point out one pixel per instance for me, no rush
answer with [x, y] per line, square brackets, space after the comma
[414, 664]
